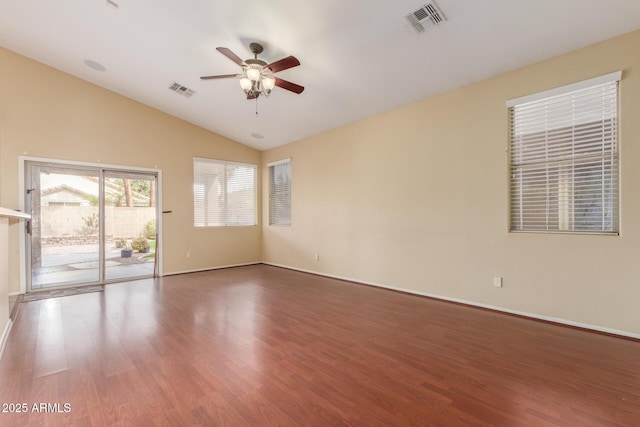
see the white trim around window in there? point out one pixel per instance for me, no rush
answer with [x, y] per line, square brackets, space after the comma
[607, 78]
[563, 158]
[224, 193]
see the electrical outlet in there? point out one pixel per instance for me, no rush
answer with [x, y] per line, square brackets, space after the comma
[188, 255]
[317, 257]
[497, 281]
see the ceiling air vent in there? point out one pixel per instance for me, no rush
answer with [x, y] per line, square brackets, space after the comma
[182, 90]
[427, 16]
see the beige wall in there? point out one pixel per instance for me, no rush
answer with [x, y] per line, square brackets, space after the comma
[49, 114]
[417, 198]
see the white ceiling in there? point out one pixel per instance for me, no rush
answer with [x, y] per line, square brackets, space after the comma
[358, 57]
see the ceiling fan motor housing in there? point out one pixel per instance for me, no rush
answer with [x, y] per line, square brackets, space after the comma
[256, 48]
[259, 62]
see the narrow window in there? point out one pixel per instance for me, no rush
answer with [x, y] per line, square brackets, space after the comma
[280, 192]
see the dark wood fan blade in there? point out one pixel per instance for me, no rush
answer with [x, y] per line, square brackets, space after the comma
[284, 84]
[221, 76]
[229, 54]
[283, 64]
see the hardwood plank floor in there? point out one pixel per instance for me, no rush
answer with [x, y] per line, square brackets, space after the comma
[263, 346]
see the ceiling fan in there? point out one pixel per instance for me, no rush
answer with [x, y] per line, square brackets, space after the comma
[257, 77]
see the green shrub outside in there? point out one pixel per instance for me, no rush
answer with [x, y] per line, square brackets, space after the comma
[140, 244]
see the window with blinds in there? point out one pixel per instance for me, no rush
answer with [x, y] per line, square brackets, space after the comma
[224, 193]
[564, 158]
[280, 192]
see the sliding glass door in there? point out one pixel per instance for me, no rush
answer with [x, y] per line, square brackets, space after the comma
[89, 225]
[130, 225]
[65, 212]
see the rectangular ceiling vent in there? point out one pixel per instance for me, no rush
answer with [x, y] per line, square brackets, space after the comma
[427, 16]
[182, 90]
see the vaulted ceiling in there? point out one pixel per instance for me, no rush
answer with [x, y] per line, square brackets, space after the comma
[358, 57]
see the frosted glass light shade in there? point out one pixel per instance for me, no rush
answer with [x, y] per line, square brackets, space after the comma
[268, 83]
[246, 84]
[253, 74]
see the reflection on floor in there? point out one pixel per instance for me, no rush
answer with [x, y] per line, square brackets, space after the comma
[14, 304]
[264, 346]
[36, 296]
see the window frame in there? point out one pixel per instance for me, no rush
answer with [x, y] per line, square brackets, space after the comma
[270, 170]
[225, 164]
[576, 160]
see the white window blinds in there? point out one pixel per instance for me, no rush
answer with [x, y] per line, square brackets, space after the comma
[280, 192]
[224, 193]
[564, 159]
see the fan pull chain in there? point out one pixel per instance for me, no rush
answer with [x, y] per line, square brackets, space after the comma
[256, 106]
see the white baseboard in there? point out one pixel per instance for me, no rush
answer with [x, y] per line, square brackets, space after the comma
[5, 336]
[174, 273]
[471, 303]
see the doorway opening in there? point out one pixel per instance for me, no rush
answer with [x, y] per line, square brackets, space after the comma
[90, 224]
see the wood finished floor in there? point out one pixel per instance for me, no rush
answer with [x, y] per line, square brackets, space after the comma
[264, 346]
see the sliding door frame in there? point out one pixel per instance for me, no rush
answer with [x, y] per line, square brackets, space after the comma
[22, 168]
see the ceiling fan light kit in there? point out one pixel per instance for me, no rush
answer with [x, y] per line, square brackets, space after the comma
[257, 76]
